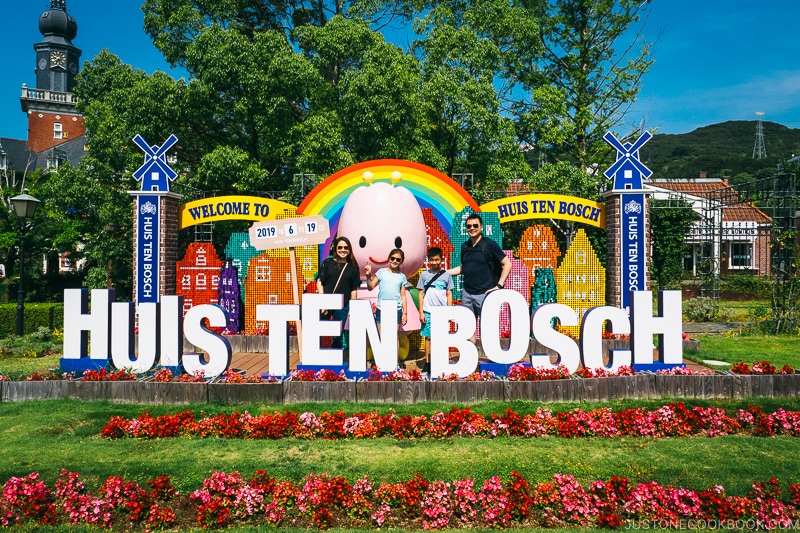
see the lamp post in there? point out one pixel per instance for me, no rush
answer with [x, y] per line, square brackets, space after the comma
[24, 207]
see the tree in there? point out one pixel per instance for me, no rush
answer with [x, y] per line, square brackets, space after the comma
[91, 219]
[670, 222]
[253, 110]
[12, 181]
[589, 74]
[174, 24]
[459, 64]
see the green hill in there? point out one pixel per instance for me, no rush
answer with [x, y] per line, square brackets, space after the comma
[720, 150]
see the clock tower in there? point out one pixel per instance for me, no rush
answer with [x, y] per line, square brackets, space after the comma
[52, 114]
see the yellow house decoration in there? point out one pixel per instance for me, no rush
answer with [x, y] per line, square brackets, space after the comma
[581, 280]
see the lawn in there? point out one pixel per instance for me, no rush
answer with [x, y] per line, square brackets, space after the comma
[778, 350]
[46, 436]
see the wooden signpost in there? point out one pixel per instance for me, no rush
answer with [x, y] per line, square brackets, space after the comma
[290, 233]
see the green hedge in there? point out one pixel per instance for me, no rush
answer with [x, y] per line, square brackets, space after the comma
[37, 315]
[757, 286]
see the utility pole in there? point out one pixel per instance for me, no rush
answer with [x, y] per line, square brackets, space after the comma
[759, 151]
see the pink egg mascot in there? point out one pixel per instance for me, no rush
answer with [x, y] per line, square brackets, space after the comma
[378, 218]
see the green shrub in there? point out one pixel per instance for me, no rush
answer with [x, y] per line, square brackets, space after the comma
[757, 286]
[42, 333]
[37, 315]
[704, 309]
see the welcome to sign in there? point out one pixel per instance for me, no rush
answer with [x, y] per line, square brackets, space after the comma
[219, 208]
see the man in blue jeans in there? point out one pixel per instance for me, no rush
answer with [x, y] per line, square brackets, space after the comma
[483, 264]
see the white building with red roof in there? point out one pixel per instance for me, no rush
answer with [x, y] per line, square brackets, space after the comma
[730, 235]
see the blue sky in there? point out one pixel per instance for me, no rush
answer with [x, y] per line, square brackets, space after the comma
[715, 60]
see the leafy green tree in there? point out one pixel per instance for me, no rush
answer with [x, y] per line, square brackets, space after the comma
[670, 222]
[589, 74]
[468, 126]
[174, 24]
[91, 220]
[12, 181]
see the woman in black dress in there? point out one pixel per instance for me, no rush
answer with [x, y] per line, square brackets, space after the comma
[339, 274]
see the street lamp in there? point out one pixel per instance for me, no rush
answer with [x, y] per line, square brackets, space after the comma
[24, 207]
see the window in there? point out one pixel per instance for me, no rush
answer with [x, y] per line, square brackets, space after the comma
[3, 162]
[741, 255]
[56, 158]
[58, 131]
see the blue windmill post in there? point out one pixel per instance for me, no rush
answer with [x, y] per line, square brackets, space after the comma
[155, 174]
[156, 224]
[626, 203]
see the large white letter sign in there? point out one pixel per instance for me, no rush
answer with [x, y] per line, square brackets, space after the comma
[314, 328]
[385, 352]
[490, 326]
[566, 348]
[592, 338]
[278, 317]
[668, 327]
[123, 346]
[442, 340]
[217, 347]
[148, 347]
[362, 327]
[171, 332]
[79, 323]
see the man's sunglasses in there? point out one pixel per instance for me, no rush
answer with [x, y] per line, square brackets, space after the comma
[472, 226]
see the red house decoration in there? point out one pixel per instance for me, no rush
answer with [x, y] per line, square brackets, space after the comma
[436, 237]
[198, 275]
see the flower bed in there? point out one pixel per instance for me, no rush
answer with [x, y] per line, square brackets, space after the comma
[517, 372]
[323, 501]
[760, 368]
[671, 420]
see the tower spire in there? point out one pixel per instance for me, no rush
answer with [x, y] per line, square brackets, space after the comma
[759, 150]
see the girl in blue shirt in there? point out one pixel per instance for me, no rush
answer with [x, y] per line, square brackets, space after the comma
[392, 285]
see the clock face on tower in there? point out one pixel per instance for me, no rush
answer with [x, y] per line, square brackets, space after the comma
[58, 59]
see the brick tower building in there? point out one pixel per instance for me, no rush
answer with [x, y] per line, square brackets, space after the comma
[53, 118]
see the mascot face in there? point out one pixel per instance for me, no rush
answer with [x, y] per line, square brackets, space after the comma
[380, 217]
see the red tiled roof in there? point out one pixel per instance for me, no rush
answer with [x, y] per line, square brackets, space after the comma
[696, 188]
[745, 213]
[740, 212]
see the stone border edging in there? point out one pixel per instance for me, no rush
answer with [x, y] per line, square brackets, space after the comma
[641, 386]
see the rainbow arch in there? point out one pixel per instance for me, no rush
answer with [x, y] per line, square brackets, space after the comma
[430, 187]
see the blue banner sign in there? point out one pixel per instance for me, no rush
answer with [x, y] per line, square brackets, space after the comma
[634, 265]
[147, 271]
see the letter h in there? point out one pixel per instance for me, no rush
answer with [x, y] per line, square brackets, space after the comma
[79, 323]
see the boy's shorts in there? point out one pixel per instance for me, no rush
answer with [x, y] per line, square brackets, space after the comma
[425, 330]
